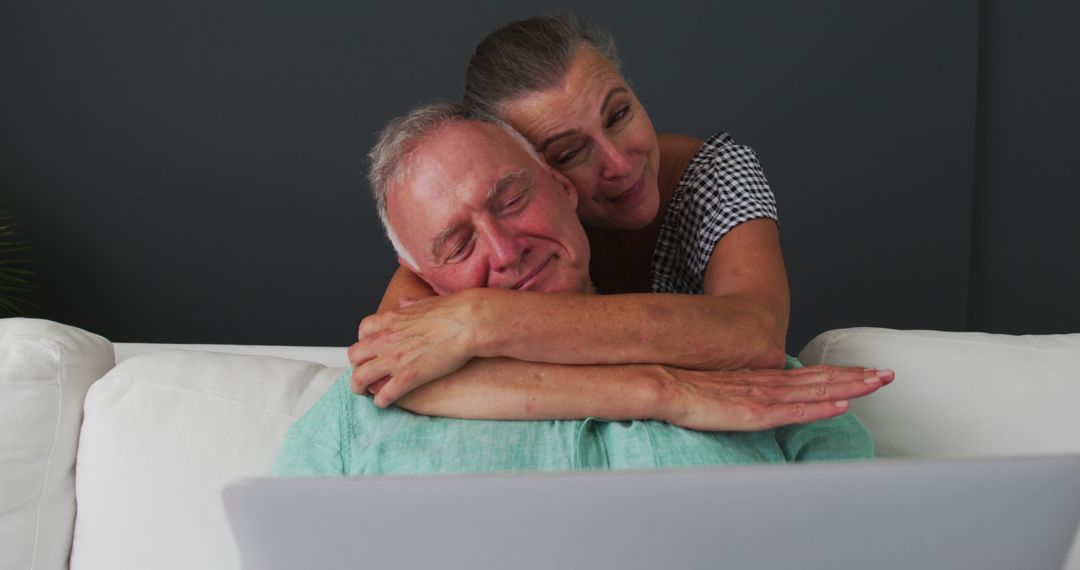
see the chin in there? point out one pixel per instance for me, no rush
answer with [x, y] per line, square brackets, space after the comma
[623, 219]
[637, 219]
[641, 215]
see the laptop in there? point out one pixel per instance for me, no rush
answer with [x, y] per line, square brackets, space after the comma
[985, 514]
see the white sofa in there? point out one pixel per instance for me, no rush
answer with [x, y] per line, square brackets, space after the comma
[141, 438]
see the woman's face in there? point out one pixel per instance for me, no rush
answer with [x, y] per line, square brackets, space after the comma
[592, 129]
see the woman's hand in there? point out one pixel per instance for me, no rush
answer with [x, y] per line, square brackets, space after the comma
[753, 400]
[423, 340]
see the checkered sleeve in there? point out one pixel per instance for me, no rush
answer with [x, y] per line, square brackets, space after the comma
[723, 186]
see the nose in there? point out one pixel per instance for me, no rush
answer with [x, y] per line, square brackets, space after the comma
[505, 250]
[614, 162]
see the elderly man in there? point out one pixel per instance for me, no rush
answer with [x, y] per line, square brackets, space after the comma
[467, 204]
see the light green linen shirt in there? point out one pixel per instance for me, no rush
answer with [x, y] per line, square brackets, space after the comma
[346, 434]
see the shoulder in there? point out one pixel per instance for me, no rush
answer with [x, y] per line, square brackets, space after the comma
[312, 445]
[323, 416]
[721, 155]
[721, 187]
[725, 173]
[676, 152]
[674, 145]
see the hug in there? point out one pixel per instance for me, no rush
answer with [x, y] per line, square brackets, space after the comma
[560, 261]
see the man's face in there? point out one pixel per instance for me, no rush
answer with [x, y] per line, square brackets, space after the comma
[475, 210]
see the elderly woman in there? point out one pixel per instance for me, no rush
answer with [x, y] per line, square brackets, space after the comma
[683, 235]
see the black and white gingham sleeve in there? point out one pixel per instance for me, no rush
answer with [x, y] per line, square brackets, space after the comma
[725, 188]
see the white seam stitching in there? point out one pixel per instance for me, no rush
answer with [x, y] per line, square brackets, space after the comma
[138, 381]
[54, 348]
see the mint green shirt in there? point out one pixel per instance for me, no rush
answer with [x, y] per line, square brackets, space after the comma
[346, 434]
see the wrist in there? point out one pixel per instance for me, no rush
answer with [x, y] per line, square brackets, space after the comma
[489, 322]
[659, 394]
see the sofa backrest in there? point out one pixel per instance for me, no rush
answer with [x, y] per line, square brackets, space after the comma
[332, 356]
[963, 394]
[162, 435]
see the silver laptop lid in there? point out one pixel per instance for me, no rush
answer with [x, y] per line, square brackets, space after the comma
[981, 514]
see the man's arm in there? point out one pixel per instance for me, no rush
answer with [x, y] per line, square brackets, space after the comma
[507, 389]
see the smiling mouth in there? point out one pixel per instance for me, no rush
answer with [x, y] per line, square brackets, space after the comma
[631, 192]
[525, 280]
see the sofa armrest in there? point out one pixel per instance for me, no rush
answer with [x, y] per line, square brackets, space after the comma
[45, 371]
[963, 394]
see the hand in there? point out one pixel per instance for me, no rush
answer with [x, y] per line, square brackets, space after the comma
[401, 350]
[754, 400]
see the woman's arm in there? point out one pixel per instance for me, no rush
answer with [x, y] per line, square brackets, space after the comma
[403, 285]
[746, 273]
[739, 323]
[502, 388]
[745, 400]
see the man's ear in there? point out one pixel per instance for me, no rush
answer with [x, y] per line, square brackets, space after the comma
[571, 190]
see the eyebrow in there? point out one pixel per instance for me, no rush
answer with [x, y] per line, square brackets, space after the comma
[603, 109]
[492, 193]
[505, 181]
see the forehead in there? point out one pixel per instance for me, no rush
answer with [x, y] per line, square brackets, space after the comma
[462, 161]
[577, 98]
[449, 175]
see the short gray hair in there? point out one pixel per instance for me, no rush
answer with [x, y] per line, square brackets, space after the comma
[391, 158]
[529, 55]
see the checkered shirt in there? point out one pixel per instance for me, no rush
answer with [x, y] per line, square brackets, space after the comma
[723, 186]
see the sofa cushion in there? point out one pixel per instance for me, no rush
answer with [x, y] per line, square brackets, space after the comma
[963, 394]
[163, 433]
[45, 371]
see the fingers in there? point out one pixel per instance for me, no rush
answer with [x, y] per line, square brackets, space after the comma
[391, 390]
[887, 375]
[801, 413]
[827, 392]
[359, 353]
[378, 385]
[383, 379]
[372, 325]
[757, 400]
[367, 373]
[827, 384]
[375, 387]
[756, 416]
[372, 379]
[834, 374]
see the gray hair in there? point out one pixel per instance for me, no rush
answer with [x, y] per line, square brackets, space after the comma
[529, 55]
[391, 158]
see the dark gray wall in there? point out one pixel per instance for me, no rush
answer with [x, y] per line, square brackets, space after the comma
[193, 173]
[1026, 259]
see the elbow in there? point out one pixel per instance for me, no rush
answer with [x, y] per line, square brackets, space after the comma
[771, 356]
[771, 335]
[763, 341]
[750, 350]
[752, 338]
